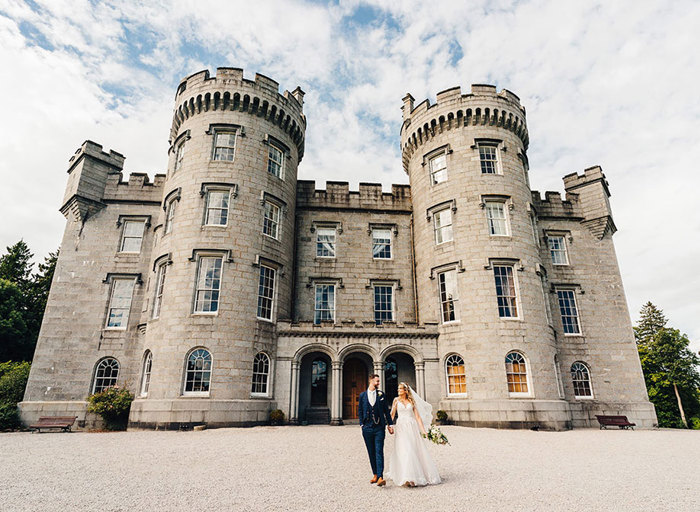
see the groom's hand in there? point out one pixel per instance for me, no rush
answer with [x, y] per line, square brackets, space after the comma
[391, 429]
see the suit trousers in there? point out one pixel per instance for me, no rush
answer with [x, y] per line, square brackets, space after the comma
[374, 441]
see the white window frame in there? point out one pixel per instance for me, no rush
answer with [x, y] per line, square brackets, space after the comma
[110, 306]
[208, 208]
[271, 162]
[449, 358]
[590, 381]
[528, 378]
[268, 376]
[272, 221]
[334, 243]
[216, 146]
[496, 161]
[146, 373]
[179, 156]
[516, 290]
[169, 216]
[576, 306]
[124, 237]
[442, 171]
[197, 289]
[562, 250]
[185, 376]
[158, 290]
[393, 301]
[97, 369]
[273, 295]
[374, 243]
[442, 229]
[455, 298]
[317, 285]
[490, 220]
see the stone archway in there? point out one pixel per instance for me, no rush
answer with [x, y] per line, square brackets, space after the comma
[357, 367]
[398, 367]
[315, 388]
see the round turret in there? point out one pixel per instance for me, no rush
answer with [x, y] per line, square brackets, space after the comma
[477, 252]
[222, 268]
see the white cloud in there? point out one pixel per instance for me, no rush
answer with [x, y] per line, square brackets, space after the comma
[604, 83]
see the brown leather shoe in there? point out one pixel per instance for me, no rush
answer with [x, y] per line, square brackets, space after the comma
[374, 479]
[381, 482]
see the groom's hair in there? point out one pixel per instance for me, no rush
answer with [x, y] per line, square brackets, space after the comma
[374, 375]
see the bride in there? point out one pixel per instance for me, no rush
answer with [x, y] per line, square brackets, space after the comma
[411, 463]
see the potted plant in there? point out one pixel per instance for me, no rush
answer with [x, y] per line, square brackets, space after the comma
[441, 417]
[276, 417]
[113, 404]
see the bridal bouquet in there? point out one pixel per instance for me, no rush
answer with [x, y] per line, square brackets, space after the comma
[435, 435]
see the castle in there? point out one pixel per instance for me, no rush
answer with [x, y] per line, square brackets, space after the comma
[226, 288]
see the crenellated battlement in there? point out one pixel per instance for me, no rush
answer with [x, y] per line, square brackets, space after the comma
[338, 195]
[229, 90]
[138, 187]
[92, 149]
[483, 105]
[553, 205]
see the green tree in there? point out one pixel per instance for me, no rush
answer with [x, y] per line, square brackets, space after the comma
[13, 326]
[16, 265]
[670, 368]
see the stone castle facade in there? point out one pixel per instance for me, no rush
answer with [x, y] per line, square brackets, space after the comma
[226, 288]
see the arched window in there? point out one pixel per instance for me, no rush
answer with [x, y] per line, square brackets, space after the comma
[106, 374]
[581, 378]
[516, 372]
[456, 375]
[261, 374]
[146, 373]
[198, 374]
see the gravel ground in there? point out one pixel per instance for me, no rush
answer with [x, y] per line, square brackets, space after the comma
[326, 468]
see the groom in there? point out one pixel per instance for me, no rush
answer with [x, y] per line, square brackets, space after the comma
[374, 418]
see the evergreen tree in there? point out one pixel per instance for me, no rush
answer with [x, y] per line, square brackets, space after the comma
[13, 327]
[651, 321]
[16, 265]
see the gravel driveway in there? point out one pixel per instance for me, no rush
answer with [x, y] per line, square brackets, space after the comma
[326, 468]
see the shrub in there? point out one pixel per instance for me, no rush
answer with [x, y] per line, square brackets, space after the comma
[9, 416]
[276, 417]
[694, 423]
[13, 380]
[113, 404]
[441, 416]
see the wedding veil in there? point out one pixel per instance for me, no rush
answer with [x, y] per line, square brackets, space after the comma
[425, 410]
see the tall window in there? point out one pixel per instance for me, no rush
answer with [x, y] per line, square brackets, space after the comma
[271, 220]
[261, 374]
[325, 242]
[497, 219]
[179, 155]
[516, 372]
[120, 302]
[488, 157]
[132, 235]
[505, 291]
[106, 374]
[146, 373]
[324, 309]
[319, 382]
[169, 216]
[381, 244]
[208, 284]
[266, 292]
[456, 375]
[443, 226]
[569, 311]
[158, 293]
[198, 372]
[557, 249]
[217, 207]
[383, 303]
[447, 284]
[438, 169]
[275, 161]
[224, 145]
[581, 378]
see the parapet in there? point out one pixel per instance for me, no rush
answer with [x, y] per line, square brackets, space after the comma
[93, 149]
[590, 175]
[338, 195]
[137, 188]
[553, 206]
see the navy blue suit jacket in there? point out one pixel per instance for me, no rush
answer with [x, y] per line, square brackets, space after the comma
[381, 409]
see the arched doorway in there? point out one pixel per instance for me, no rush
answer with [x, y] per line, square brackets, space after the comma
[355, 376]
[398, 367]
[315, 389]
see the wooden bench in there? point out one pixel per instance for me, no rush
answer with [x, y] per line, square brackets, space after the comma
[61, 422]
[614, 421]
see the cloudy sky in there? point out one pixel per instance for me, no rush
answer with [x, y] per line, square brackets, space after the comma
[608, 83]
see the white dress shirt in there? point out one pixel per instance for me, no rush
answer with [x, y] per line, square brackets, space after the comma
[372, 396]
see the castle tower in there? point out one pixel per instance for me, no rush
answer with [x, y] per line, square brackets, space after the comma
[221, 272]
[477, 251]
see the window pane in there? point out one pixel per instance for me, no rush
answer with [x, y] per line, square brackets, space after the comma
[324, 309]
[208, 284]
[224, 145]
[381, 243]
[198, 375]
[569, 311]
[581, 380]
[120, 302]
[261, 370]
[557, 249]
[271, 220]
[505, 291]
[274, 162]
[383, 304]
[132, 235]
[325, 243]
[487, 156]
[106, 375]
[516, 373]
[438, 169]
[160, 283]
[443, 226]
[456, 375]
[496, 215]
[266, 289]
[447, 283]
[217, 207]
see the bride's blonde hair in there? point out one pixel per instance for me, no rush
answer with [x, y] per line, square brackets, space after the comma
[409, 395]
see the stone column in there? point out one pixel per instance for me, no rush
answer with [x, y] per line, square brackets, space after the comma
[379, 370]
[294, 395]
[420, 379]
[337, 393]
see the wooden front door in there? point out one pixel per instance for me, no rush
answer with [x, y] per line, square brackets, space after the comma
[354, 383]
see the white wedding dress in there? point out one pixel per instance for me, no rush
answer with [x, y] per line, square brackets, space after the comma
[410, 460]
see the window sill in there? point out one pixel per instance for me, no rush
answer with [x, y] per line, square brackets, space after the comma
[193, 394]
[441, 244]
[128, 253]
[584, 398]
[457, 396]
[519, 395]
[214, 226]
[501, 237]
[510, 318]
[270, 237]
[492, 174]
[451, 323]
[561, 265]
[204, 313]
[325, 258]
[260, 396]
[266, 320]
[114, 329]
[575, 335]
